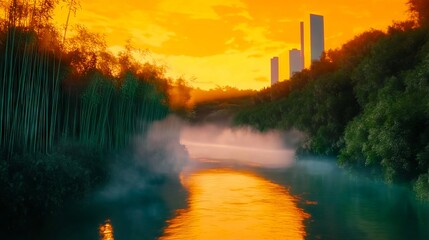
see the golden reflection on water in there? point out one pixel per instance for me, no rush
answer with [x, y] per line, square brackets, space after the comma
[106, 231]
[228, 204]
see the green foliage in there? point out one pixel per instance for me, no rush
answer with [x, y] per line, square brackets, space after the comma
[367, 102]
[389, 57]
[34, 186]
[30, 91]
[321, 109]
[262, 117]
[388, 135]
[421, 187]
[392, 133]
[354, 51]
[36, 111]
[62, 111]
[106, 115]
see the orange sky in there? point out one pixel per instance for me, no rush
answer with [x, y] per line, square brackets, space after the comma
[227, 42]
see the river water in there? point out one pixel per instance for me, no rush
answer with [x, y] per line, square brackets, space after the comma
[247, 206]
[311, 199]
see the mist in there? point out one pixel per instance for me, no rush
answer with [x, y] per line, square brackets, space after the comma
[145, 187]
[156, 156]
[239, 145]
[170, 145]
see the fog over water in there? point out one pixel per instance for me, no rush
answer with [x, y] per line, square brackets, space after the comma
[241, 145]
[179, 174]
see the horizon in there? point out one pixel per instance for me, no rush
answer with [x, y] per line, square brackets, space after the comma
[226, 42]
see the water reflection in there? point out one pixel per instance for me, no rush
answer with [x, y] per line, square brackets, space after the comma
[106, 231]
[228, 204]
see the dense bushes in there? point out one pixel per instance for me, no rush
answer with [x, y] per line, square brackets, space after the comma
[366, 102]
[36, 185]
[391, 133]
[421, 186]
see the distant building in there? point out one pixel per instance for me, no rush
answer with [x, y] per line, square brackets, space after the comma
[274, 70]
[317, 36]
[295, 61]
[301, 29]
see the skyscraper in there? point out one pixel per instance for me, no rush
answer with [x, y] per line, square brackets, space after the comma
[317, 36]
[301, 29]
[295, 61]
[274, 70]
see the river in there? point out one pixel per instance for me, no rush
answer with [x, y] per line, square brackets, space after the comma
[247, 206]
[311, 199]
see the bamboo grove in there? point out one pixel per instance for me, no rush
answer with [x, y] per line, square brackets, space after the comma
[46, 99]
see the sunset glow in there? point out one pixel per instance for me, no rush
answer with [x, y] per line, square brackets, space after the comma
[106, 231]
[243, 206]
[227, 42]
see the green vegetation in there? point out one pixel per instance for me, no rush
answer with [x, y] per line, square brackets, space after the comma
[218, 110]
[366, 102]
[65, 104]
[219, 93]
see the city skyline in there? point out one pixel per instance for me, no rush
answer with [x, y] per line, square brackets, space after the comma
[209, 43]
[296, 58]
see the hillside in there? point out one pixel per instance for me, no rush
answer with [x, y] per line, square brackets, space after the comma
[367, 103]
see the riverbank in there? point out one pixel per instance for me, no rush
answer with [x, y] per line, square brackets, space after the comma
[138, 212]
[35, 186]
[136, 198]
[66, 105]
[365, 103]
[345, 205]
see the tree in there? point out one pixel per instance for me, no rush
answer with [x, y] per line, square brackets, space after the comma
[179, 95]
[24, 13]
[420, 10]
[85, 49]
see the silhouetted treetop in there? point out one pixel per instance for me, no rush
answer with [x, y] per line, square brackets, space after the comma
[420, 10]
